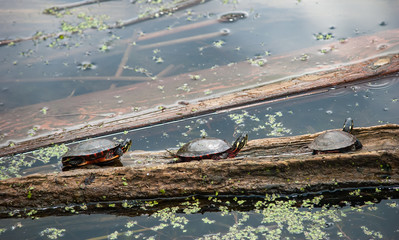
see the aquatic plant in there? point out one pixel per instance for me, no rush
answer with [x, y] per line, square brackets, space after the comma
[268, 123]
[12, 166]
[273, 217]
[52, 233]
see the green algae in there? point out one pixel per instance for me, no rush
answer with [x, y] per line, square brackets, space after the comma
[12, 166]
[269, 123]
[218, 217]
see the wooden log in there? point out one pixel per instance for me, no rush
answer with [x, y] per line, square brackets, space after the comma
[277, 165]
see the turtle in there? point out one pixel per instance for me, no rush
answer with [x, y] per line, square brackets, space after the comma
[98, 151]
[210, 148]
[336, 141]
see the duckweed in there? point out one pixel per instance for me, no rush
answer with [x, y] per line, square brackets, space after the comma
[268, 123]
[13, 165]
[113, 235]
[218, 44]
[273, 217]
[371, 233]
[44, 110]
[52, 233]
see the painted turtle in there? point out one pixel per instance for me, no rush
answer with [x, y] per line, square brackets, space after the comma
[335, 141]
[95, 151]
[210, 148]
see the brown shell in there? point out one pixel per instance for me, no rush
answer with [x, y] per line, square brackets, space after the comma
[332, 140]
[97, 146]
[202, 147]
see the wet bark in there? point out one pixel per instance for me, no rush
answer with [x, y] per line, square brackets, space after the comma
[277, 165]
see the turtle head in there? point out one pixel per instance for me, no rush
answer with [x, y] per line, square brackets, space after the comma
[126, 145]
[348, 125]
[239, 143]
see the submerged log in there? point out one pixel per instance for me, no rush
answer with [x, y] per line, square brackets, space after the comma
[277, 165]
[79, 117]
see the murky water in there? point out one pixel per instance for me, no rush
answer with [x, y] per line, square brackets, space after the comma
[348, 214]
[35, 72]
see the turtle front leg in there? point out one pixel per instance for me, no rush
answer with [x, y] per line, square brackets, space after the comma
[358, 144]
[118, 152]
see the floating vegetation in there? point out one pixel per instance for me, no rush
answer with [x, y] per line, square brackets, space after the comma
[12, 166]
[270, 217]
[33, 131]
[303, 57]
[207, 91]
[86, 65]
[325, 50]
[371, 233]
[218, 44]
[87, 22]
[259, 61]
[185, 88]
[157, 59]
[194, 77]
[52, 233]
[323, 36]
[44, 110]
[269, 123]
[348, 214]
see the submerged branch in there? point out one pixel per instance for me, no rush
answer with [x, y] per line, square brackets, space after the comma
[183, 4]
[53, 10]
[179, 6]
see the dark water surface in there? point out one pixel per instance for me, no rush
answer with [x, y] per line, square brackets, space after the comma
[349, 214]
[35, 71]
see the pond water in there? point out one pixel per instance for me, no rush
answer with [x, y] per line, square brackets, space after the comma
[51, 73]
[342, 214]
[82, 70]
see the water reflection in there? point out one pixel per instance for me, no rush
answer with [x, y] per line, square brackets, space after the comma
[350, 213]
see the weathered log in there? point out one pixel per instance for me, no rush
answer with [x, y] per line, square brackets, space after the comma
[277, 165]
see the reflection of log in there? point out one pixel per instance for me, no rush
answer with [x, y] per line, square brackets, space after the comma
[282, 165]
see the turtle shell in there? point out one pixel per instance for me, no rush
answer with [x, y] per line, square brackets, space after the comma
[91, 152]
[333, 140]
[91, 147]
[203, 147]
